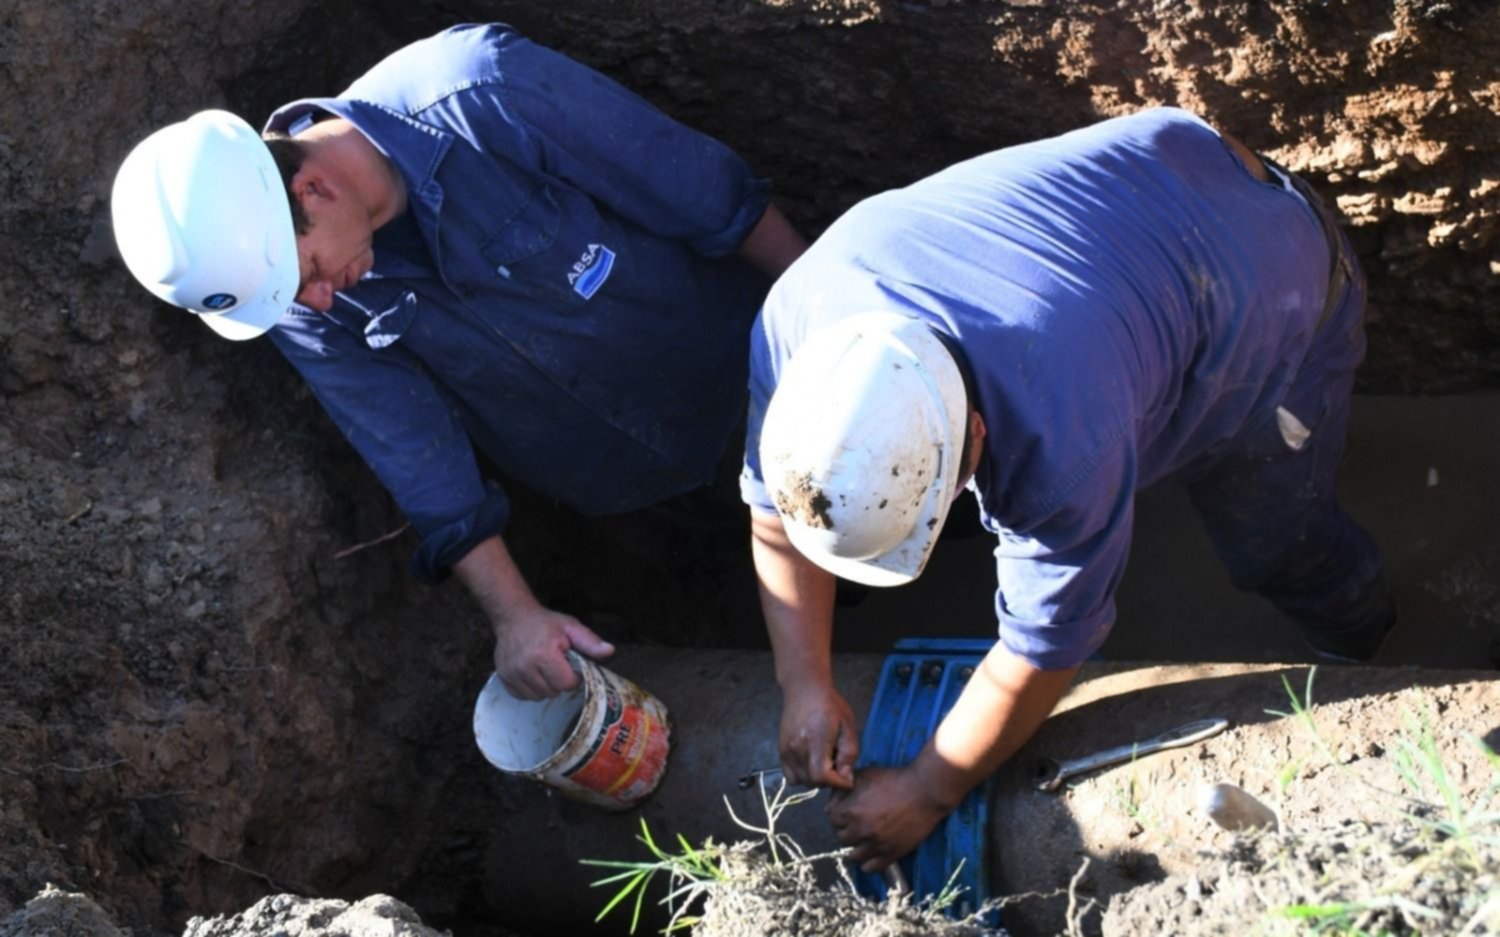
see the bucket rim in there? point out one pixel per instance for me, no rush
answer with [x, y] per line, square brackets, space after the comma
[586, 692]
[589, 689]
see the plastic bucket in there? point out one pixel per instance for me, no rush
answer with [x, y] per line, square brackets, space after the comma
[604, 743]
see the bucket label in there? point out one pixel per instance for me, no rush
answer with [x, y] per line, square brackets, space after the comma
[613, 709]
[629, 746]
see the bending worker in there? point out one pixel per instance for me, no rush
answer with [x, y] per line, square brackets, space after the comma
[479, 240]
[1055, 326]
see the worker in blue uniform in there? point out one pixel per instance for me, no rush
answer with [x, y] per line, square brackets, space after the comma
[1054, 326]
[479, 243]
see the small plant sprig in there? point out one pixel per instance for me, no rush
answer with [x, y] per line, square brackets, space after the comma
[689, 873]
[1419, 762]
[952, 891]
[774, 807]
[1302, 711]
[1343, 917]
[1127, 798]
[693, 871]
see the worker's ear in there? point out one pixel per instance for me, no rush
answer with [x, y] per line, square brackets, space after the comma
[310, 185]
[975, 439]
[977, 432]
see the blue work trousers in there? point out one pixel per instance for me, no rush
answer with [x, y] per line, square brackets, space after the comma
[1270, 506]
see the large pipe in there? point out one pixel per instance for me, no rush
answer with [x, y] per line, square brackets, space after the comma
[725, 706]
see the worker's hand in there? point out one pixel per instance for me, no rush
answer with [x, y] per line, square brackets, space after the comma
[531, 651]
[884, 817]
[818, 743]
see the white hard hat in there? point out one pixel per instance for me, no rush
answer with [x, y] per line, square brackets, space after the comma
[202, 219]
[860, 448]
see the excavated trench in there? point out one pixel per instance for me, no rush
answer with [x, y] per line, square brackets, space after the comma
[219, 681]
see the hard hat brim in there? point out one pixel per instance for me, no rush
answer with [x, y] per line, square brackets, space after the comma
[879, 572]
[258, 316]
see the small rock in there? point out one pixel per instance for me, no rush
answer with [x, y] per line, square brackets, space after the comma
[1194, 888]
[1235, 809]
[69, 502]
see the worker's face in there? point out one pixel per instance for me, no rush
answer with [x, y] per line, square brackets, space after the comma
[335, 251]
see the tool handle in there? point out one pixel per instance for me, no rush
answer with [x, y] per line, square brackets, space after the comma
[1187, 734]
[1051, 774]
[763, 775]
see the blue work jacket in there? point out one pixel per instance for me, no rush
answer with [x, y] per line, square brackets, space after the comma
[561, 290]
[1131, 301]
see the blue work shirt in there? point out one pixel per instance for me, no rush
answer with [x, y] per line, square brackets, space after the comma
[1129, 299]
[561, 290]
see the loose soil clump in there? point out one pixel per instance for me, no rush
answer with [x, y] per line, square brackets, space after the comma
[760, 897]
[801, 499]
[58, 913]
[291, 916]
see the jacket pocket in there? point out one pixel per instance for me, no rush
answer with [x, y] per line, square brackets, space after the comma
[553, 249]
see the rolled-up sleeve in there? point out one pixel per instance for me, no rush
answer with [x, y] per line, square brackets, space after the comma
[585, 129]
[411, 437]
[1057, 578]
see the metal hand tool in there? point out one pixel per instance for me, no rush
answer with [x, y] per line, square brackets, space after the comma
[895, 880]
[1051, 774]
[766, 776]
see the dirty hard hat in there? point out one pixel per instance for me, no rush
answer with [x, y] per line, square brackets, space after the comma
[860, 448]
[202, 220]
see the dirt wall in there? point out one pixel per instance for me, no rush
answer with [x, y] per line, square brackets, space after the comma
[203, 702]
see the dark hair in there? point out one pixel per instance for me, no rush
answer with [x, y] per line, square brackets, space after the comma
[289, 155]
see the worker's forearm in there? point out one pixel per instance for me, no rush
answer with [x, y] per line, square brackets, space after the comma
[1002, 706]
[796, 598]
[773, 243]
[495, 581]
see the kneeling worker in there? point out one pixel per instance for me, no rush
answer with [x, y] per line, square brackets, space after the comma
[480, 244]
[1055, 326]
